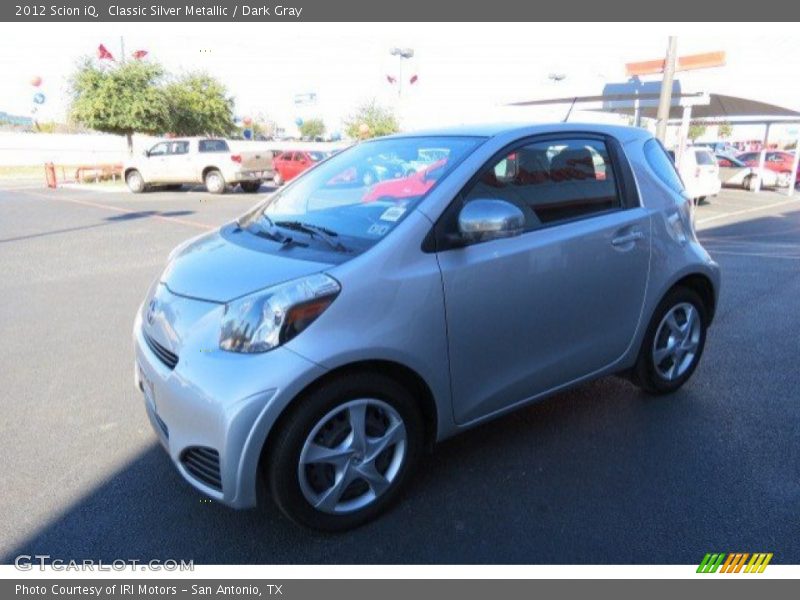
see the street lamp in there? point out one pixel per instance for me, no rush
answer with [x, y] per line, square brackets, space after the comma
[401, 54]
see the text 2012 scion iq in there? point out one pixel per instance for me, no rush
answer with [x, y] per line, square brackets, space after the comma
[411, 287]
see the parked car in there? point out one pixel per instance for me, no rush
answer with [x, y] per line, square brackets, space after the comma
[321, 343]
[719, 147]
[209, 161]
[734, 173]
[775, 160]
[290, 163]
[700, 172]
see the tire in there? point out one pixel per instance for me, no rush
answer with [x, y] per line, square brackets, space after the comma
[277, 179]
[135, 182]
[214, 182]
[250, 187]
[656, 376]
[322, 419]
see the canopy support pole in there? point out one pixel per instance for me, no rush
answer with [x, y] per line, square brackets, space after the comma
[761, 159]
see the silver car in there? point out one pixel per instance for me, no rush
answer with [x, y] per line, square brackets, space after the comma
[326, 339]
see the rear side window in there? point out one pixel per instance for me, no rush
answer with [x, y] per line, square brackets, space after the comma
[213, 146]
[659, 161]
[704, 158]
[552, 181]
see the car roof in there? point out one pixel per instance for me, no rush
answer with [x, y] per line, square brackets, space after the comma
[621, 132]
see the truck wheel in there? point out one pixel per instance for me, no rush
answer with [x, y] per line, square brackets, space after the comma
[250, 187]
[214, 181]
[135, 182]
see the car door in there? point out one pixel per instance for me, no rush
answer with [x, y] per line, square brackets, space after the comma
[156, 163]
[528, 314]
[177, 164]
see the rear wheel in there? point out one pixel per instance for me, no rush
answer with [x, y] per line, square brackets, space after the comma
[214, 182]
[673, 343]
[250, 187]
[135, 182]
[345, 452]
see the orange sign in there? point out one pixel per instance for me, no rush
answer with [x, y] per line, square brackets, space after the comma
[684, 63]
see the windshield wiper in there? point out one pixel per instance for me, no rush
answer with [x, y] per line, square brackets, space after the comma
[323, 233]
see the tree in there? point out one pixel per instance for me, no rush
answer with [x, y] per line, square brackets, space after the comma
[696, 130]
[313, 128]
[371, 120]
[122, 100]
[724, 130]
[199, 105]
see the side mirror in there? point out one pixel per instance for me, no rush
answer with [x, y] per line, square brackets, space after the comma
[483, 220]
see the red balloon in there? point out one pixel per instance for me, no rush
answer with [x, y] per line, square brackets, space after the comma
[247, 121]
[36, 81]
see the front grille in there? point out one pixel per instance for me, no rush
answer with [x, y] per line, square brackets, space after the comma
[170, 359]
[203, 463]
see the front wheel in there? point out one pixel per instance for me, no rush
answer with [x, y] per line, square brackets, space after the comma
[214, 181]
[135, 182]
[345, 452]
[673, 343]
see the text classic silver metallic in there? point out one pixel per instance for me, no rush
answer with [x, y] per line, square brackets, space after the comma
[411, 287]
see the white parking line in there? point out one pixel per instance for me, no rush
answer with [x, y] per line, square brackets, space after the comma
[746, 211]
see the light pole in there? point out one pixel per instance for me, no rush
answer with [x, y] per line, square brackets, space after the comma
[401, 54]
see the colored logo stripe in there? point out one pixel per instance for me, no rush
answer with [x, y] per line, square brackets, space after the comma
[734, 562]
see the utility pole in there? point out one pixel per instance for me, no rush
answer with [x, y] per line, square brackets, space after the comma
[121, 49]
[665, 100]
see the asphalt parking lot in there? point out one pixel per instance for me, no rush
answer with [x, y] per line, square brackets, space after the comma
[598, 474]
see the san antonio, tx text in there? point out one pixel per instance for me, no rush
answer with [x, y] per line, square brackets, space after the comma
[190, 10]
[129, 589]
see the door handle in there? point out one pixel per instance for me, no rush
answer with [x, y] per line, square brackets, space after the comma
[633, 236]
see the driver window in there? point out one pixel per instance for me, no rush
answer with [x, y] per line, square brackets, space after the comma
[159, 149]
[552, 181]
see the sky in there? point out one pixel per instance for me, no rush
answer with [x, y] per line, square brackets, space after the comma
[466, 72]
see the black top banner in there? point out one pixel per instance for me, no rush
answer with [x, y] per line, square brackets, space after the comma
[405, 10]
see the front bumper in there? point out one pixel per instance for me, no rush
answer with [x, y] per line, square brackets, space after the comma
[218, 401]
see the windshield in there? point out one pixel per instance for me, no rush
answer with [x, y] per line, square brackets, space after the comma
[357, 196]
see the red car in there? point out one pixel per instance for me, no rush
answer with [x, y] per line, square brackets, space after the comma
[776, 160]
[290, 163]
[411, 186]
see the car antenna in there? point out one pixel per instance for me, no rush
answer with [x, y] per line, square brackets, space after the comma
[569, 112]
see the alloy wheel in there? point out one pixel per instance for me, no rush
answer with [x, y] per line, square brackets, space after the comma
[352, 456]
[677, 341]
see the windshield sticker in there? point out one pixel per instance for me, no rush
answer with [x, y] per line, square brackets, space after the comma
[393, 213]
[378, 229]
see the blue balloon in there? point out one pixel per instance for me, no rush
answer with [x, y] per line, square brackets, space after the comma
[247, 133]
[39, 98]
[298, 121]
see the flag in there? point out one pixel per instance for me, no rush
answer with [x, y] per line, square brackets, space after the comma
[391, 79]
[103, 53]
[413, 79]
[139, 54]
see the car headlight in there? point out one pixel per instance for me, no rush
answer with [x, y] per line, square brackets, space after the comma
[268, 318]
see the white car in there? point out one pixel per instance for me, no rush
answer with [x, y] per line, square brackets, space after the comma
[209, 161]
[735, 173]
[700, 173]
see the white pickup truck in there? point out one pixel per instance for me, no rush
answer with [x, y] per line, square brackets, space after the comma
[210, 161]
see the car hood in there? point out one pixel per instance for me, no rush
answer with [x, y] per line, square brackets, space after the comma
[218, 267]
